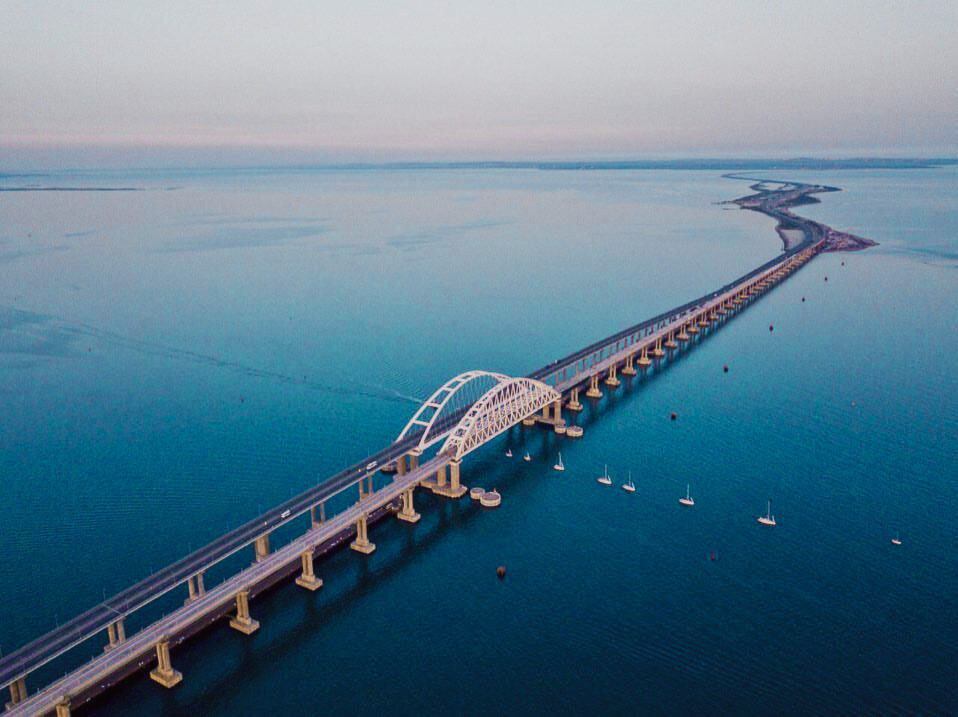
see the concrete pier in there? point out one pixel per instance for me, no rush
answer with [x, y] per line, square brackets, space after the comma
[243, 622]
[195, 587]
[261, 547]
[308, 578]
[657, 351]
[574, 404]
[629, 368]
[594, 391]
[361, 544]
[116, 632]
[18, 692]
[407, 512]
[644, 360]
[164, 672]
[612, 379]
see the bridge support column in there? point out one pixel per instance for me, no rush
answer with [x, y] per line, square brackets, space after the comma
[313, 523]
[401, 465]
[408, 513]
[441, 477]
[644, 360]
[456, 489]
[243, 622]
[18, 692]
[693, 327]
[629, 368]
[362, 544]
[682, 335]
[612, 380]
[117, 634]
[559, 425]
[63, 707]
[414, 460]
[670, 342]
[308, 579]
[261, 547]
[657, 351]
[594, 391]
[195, 587]
[573, 404]
[164, 672]
[703, 319]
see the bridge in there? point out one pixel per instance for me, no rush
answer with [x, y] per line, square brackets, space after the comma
[460, 417]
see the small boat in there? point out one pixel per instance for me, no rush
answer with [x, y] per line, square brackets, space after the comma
[630, 486]
[604, 478]
[508, 453]
[558, 466]
[768, 518]
[527, 457]
[897, 539]
[687, 500]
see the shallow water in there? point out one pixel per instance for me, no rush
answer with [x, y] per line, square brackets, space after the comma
[177, 358]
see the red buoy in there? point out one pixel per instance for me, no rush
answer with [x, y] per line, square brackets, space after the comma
[501, 571]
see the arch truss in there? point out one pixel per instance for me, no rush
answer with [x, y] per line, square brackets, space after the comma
[475, 407]
[443, 410]
[500, 408]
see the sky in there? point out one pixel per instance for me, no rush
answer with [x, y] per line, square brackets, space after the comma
[423, 79]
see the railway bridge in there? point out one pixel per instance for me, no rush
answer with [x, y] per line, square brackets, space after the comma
[460, 417]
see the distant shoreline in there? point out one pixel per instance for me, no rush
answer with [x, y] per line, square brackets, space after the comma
[723, 165]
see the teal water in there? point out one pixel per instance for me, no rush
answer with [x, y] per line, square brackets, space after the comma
[176, 358]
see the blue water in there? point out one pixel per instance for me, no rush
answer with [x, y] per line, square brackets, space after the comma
[176, 358]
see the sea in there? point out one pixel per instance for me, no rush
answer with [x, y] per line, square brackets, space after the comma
[182, 349]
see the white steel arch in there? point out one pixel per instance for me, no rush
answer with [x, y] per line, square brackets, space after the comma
[500, 408]
[429, 412]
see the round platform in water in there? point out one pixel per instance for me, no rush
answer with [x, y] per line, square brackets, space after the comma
[492, 499]
[477, 493]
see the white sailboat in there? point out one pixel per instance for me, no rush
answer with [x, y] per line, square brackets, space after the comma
[768, 518]
[604, 478]
[687, 500]
[527, 457]
[897, 539]
[630, 486]
[558, 466]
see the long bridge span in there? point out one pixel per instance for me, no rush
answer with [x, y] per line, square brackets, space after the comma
[461, 416]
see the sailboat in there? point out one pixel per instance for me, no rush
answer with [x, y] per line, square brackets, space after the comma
[558, 466]
[768, 518]
[630, 486]
[604, 478]
[508, 453]
[527, 457]
[687, 500]
[897, 539]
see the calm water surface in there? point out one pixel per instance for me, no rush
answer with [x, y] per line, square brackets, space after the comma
[176, 358]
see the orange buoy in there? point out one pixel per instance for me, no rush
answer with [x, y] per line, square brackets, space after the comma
[501, 571]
